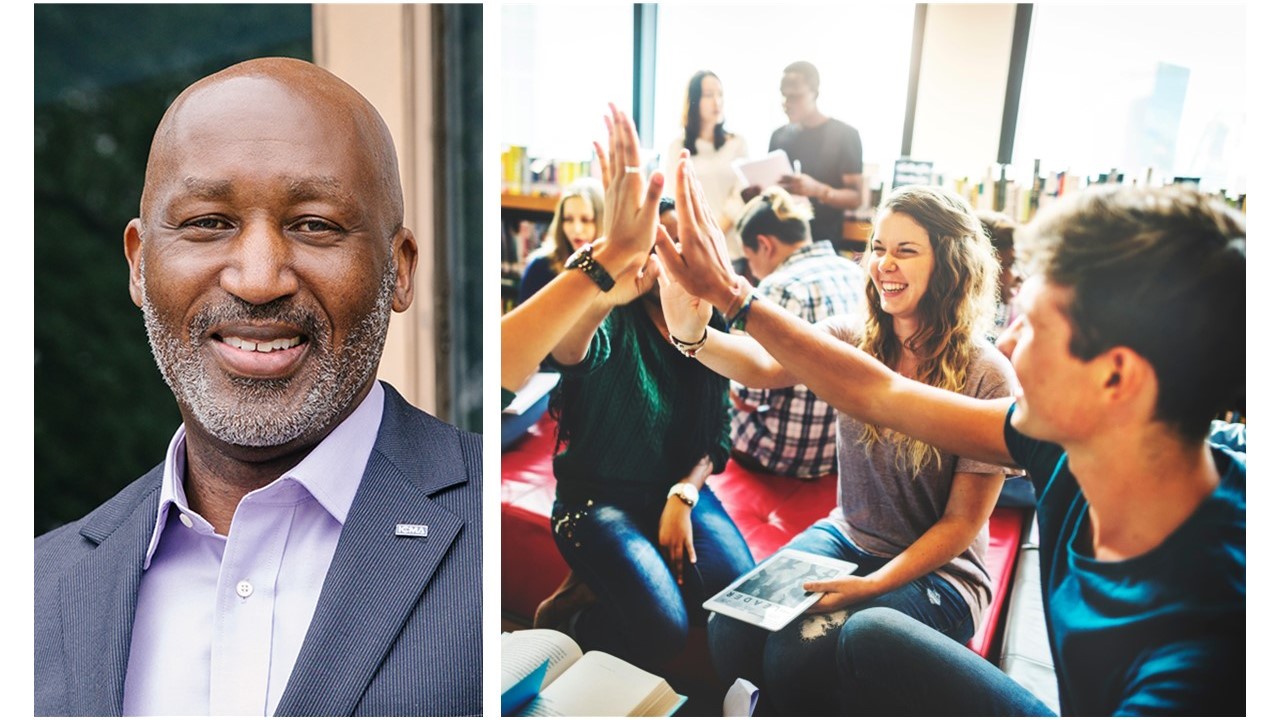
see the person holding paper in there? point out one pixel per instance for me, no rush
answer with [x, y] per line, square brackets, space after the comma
[1130, 340]
[713, 151]
[826, 154]
[911, 516]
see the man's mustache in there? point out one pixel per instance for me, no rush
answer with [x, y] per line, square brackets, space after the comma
[284, 311]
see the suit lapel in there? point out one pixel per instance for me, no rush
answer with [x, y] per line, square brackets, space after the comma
[376, 577]
[98, 598]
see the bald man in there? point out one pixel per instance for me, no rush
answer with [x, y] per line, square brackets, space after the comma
[310, 544]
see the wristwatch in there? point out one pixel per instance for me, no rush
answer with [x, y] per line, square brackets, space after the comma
[687, 492]
[584, 261]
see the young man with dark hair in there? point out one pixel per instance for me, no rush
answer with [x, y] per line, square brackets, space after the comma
[826, 154]
[1131, 339]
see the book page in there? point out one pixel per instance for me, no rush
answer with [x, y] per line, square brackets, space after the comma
[601, 684]
[524, 650]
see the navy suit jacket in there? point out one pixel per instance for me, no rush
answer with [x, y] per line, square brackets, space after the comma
[396, 630]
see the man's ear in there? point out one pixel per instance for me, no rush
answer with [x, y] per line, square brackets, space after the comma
[404, 248]
[133, 254]
[1124, 374]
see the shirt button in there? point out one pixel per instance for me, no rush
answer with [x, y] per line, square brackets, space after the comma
[244, 588]
[185, 520]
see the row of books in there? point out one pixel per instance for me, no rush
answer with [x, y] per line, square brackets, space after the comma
[526, 175]
[1021, 200]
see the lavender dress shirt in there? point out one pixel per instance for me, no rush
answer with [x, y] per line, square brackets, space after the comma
[220, 620]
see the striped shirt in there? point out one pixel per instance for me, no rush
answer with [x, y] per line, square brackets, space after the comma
[791, 431]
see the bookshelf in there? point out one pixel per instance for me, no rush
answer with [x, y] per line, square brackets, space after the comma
[530, 203]
[524, 223]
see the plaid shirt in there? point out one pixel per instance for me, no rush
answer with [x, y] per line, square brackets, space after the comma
[791, 431]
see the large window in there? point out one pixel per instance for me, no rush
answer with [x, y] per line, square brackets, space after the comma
[560, 66]
[1127, 88]
[862, 51]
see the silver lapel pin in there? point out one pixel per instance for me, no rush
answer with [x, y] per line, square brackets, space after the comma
[410, 530]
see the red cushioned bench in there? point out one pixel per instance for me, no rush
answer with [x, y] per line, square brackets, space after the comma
[768, 509]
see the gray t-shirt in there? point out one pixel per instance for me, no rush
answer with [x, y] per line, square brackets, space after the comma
[883, 509]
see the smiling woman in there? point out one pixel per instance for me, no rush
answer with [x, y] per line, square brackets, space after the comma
[913, 518]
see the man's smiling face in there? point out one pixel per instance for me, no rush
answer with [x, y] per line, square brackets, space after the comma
[268, 258]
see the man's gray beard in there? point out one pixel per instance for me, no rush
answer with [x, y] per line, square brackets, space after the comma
[250, 416]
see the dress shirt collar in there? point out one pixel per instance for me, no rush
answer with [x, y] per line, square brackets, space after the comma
[330, 473]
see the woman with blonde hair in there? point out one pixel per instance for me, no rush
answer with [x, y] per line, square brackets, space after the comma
[910, 516]
[576, 222]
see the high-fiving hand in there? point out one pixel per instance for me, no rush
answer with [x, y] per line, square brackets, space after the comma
[630, 208]
[700, 263]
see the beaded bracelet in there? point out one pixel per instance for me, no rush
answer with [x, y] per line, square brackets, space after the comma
[690, 349]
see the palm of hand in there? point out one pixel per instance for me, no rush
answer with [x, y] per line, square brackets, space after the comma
[686, 314]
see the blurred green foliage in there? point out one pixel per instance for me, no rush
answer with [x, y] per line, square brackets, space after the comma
[104, 75]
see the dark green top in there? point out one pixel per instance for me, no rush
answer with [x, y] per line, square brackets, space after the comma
[636, 415]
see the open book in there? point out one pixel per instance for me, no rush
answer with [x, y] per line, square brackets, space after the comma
[545, 674]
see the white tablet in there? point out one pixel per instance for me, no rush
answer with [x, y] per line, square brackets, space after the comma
[772, 594]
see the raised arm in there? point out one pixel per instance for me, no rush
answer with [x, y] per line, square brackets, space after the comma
[531, 331]
[859, 385]
[572, 348]
[736, 357]
[845, 377]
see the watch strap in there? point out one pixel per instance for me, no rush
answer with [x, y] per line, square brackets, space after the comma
[586, 262]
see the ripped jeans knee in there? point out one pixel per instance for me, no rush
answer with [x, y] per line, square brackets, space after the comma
[812, 628]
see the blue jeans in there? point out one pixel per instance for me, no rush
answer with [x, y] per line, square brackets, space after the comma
[643, 615]
[798, 668]
[903, 667]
